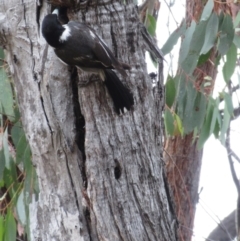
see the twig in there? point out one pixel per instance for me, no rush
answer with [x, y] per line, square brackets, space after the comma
[235, 180]
[169, 7]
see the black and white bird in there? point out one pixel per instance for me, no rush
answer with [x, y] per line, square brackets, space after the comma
[77, 44]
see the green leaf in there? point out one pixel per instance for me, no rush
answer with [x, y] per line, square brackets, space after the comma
[178, 125]
[215, 114]
[170, 91]
[10, 180]
[191, 95]
[199, 110]
[16, 133]
[21, 209]
[217, 127]
[27, 157]
[1, 227]
[226, 35]
[180, 81]
[1, 57]
[236, 20]
[207, 10]
[10, 227]
[236, 41]
[151, 24]
[210, 33]
[169, 122]
[29, 185]
[6, 95]
[6, 149]
[173, 38]
[191, 60]
[205, 131]
[21, 148]
[203, 58]
[229, 66]
[204, 135]
[2, 164]
[186, 42]
[228, 103]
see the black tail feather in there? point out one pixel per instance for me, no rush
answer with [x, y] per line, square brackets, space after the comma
[121, 96]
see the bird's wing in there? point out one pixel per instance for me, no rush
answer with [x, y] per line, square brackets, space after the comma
[105, 55]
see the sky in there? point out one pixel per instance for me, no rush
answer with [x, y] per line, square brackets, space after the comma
[218, 196]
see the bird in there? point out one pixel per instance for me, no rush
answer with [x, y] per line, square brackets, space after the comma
[77, 44]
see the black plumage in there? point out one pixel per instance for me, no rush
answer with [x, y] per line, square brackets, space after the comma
[77, 44]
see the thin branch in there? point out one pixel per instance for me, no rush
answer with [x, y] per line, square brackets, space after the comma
[220, 224]
[234, 155]
[169, 7]
[235, 180]
[229, 152]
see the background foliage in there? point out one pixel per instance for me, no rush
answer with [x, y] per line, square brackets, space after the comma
[18, 180]
[189, 107]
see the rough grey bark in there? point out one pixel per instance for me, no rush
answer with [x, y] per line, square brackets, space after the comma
[100, 175]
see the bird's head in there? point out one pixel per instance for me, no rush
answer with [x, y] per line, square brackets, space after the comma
[52, 29]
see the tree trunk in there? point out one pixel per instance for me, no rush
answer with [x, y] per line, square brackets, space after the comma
[100, 174]
[183, 159]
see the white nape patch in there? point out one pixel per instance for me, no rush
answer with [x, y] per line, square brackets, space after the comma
[66, 33]
[56, 11]
[92, 34]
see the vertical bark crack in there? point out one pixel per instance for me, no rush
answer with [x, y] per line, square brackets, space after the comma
[80, 123]
[44, 111]
[38, 10]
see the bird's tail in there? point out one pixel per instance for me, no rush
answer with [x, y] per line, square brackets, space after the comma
[121, 96]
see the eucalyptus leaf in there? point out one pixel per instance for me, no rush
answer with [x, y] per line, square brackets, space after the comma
[236, 20]
[21, 209]
[191, 60]
[186, 42]
[6, 149]
[178, 125]
[169, 122]
[210, 34]
[189, 109]
[151, 25]
[228, 103]
[2, 222]
[230, 64]
[215, 114]
[205, 131]
[170, 91]
[236, 41]
[226, 35]
[2, 164]
[6, 95]
[180, 81]
[207, 10]
[203, 58]
[10, 227]
[173, 38]
[21, 148]
[16, 133]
